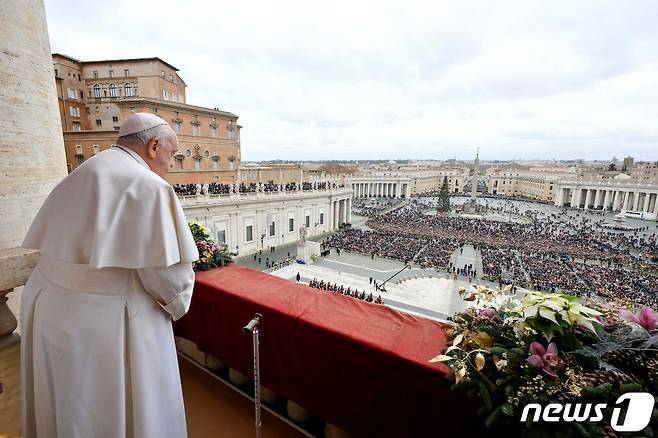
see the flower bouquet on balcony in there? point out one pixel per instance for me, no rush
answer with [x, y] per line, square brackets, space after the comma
[211, 254]
[551, 348]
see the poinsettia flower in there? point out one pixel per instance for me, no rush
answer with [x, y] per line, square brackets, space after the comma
[646, 318]
[545, 358]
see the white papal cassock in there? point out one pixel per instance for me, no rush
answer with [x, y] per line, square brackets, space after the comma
[98, 355]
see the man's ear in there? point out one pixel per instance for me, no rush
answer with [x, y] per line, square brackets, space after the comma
[152, 147]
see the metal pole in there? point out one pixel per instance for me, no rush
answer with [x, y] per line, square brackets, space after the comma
[381, 286]
[252, 327]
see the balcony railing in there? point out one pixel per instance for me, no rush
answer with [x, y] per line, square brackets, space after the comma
[212, 407]
[331, 365]
[325, 358]
[190, 200]
[16, 265]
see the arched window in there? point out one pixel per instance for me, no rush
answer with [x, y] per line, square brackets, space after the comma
[128, 90]
[97, 91]
[113, 90]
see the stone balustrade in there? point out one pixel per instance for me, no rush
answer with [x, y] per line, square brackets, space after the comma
[232, 198]
[16, 265]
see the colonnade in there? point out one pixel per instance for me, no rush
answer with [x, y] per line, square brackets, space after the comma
[609, 198]
[341, 212]
[380, 189]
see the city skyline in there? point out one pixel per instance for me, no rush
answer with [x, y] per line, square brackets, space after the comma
[423, 81]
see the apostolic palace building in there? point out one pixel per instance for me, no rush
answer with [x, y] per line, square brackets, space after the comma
[96, 96]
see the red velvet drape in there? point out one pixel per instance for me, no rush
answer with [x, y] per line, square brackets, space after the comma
[361, 366]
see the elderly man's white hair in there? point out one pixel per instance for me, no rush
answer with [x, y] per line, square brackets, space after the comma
[141, 139]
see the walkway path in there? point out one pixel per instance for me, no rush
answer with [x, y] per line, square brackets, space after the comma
[468, 255]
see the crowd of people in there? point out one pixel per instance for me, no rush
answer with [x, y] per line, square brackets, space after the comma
[191, 189]
[373, 206]
[347, 291]
[568, 250]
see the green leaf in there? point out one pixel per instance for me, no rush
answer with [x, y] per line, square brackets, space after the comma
[507, 409]
[579, 427]
[493, 416]
[530, 311]
[485, 395]
[442, 358]
[552, 305]
[517, 351]
[548, 314]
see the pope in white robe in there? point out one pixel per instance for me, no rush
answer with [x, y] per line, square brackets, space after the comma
[97, 353]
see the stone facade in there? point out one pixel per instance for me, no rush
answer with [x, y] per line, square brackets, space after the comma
[622, 193]
[96, 96]
[269, 219]
[528, 184]
[32, 158]
[405, 184]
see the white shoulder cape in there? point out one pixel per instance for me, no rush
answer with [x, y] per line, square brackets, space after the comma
[113, 212]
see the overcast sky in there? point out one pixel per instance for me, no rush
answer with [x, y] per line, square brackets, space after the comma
[372, 80]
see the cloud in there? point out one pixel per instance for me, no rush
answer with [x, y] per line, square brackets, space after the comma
[359, 80]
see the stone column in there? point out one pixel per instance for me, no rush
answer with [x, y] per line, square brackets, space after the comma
[32, 162]
[614, 200]
[349, 210]
[606, 199]
[655, 205]
[645, 207]
[626, 199]
[330, 216]
[588, 198]
[32, 159]
[636, 200]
